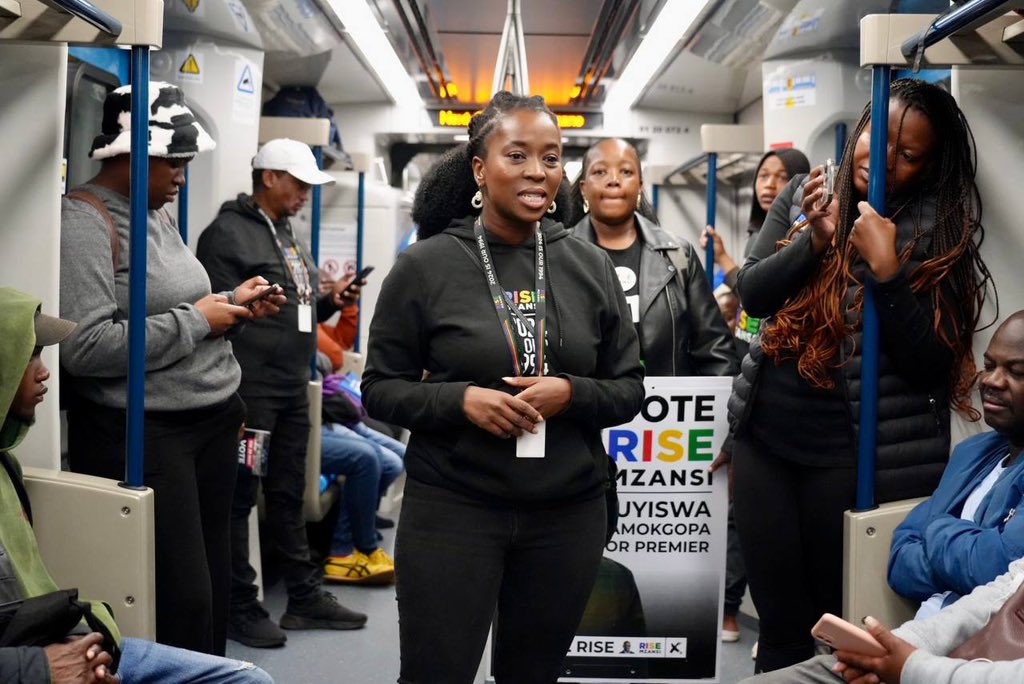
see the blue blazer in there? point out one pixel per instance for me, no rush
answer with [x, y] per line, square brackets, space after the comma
[934, 550]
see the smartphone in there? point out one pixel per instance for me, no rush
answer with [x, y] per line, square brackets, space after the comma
[272, 290]
[829, 186]
[360, 277]
[844, 636]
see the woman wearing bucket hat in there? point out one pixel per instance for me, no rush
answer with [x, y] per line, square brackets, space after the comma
[193, 413]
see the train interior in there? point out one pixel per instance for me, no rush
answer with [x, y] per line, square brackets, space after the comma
[701, 88]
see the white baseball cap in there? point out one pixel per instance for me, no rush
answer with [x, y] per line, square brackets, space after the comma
[284, 154]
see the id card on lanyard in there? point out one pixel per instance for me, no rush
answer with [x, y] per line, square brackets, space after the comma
[529, 444]
[296, 267]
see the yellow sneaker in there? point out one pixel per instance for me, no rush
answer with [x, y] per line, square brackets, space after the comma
[356, 568]
[381, 559]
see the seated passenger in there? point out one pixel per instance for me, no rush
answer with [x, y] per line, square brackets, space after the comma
[25, 331]
[967, 533]
[370, 462]
[919, 651]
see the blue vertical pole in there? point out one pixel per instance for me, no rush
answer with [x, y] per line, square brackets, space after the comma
[139, 209]
[869, 352]
[840, 141]
[360, 226]
[655, 191]
[183, 210]
[314, 233]
[709, 256]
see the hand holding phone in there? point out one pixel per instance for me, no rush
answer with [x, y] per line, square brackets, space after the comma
[261, 295]
[844, 636]
[359, 278]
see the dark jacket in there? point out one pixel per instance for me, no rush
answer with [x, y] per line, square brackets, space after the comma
[913, 411]
[273, 354]
[933, 550]
[682, 329]
[435, 314]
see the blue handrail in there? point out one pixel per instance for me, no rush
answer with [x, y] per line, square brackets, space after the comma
[91, 14]
[709, 255]
[955, 20]
[840, 142]
[866, 449]
[360, 226]
[139, 210]
[314, 233]
[183, 210]
[655, 192]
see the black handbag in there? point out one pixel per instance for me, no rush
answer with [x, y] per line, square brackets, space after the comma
[49, 619]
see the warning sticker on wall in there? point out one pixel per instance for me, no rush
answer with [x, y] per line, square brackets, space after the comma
[245, 102]
[788, 91]
[190, 67]
[193, 6]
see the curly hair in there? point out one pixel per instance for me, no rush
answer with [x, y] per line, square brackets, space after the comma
[448, 187]
[809, 324]
[644, 208]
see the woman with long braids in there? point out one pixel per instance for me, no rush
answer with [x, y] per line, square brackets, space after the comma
[796, 403]
[504, 349]
[677, 318]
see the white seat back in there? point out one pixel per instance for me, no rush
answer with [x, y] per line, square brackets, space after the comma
[314, 503]
[97, 536]
[867, 538]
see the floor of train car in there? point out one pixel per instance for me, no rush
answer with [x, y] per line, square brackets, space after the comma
[370, 655]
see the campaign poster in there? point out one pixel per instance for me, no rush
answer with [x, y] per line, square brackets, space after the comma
[656, 610]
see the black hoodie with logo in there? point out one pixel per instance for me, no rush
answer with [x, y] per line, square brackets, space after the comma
[435, 332]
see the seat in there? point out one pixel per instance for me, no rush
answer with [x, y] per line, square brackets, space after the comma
[315, 503]
[97, 536]
[867, 538]
[352, 362]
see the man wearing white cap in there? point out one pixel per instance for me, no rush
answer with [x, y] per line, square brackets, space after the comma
[252, 235]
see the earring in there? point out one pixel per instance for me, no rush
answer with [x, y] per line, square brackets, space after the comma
[478, 200]
[639, 198]
[552, 208]
[586, 206]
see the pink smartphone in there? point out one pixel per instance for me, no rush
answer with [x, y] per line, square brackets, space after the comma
[844, 636]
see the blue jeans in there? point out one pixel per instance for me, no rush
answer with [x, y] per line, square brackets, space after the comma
[147, 662]
[369, 468]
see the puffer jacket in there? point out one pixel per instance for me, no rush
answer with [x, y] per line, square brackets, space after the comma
[913, 407]
[682, 330]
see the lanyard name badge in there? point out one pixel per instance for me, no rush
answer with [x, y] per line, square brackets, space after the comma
[296, 267]
[529, 444]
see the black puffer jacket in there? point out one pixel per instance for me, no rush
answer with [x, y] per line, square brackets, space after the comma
[682, 330]
[913, 410]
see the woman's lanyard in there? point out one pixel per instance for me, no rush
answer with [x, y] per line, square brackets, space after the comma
[295, 264]
[503, 304]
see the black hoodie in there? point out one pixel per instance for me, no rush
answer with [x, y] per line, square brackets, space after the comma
[273, 354]
[435, 314]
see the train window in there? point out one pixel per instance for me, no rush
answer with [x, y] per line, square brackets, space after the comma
[87, 89]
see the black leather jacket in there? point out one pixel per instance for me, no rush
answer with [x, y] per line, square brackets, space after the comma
[682, 332]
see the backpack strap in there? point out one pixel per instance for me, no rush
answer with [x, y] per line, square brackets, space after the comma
[97, 204]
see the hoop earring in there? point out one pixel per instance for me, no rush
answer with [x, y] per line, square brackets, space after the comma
[586, 206]
[478, 200]
[552, 208]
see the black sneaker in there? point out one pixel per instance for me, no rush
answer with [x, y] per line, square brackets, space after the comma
[382, 523]
[321, 612]
[253, 627]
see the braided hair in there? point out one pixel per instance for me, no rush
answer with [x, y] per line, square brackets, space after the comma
[448, 187]
[808, 326]
[644, 207]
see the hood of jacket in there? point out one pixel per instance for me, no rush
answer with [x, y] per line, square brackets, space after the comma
[17, 330]
[243, 206]
[463, 228]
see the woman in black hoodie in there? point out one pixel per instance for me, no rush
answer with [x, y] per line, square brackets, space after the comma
[504, 506]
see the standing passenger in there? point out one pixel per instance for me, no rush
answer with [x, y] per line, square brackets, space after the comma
[253, 234]
[494, 515]
[797, 402]
[193, 412]
[677, 318]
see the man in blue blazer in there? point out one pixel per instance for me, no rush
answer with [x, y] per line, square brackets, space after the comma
[968, 532]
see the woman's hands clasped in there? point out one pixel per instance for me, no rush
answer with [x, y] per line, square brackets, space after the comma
[505, 415]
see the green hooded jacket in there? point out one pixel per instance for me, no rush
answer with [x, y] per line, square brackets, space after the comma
[18, 541]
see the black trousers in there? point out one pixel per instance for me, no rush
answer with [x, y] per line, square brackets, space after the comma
[458, 559]
[790, 523]
[735, 571]
[287, 419]
[190, 464]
